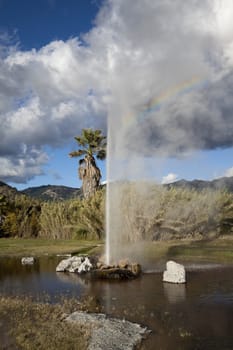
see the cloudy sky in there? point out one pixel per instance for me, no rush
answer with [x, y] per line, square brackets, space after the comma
[157, 74]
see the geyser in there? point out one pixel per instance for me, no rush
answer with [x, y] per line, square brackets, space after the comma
[168, 81]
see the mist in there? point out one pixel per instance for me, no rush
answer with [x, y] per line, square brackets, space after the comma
[171, 81]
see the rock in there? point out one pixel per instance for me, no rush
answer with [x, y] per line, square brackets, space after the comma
[121, 270]
[104, 267]
[85, 266]
[113, 273]
[29, 260]
[109, 333]
[77, 264]
[135, 268]
[123, 264]
[175, 273]
[99, 265]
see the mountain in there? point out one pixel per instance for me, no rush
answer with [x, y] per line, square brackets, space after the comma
[8, 191]
[52, 192]
[221, 183]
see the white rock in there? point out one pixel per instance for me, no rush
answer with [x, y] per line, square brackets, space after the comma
[175, 273]
[77, 264]
[85, 266]
[29, 260]
[109, 333]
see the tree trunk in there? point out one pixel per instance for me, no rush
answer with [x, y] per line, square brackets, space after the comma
[90, 175]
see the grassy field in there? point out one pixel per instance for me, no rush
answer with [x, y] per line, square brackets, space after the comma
[216, 250]
[37, 247]
[220, 249]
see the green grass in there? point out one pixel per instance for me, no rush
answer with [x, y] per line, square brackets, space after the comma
[37, 247]
[216, 250]
[220, 249]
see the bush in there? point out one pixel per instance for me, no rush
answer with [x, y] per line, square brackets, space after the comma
[74, 218]
[150, 212]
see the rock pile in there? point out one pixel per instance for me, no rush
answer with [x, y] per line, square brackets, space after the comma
[122, 270]
[80, 264]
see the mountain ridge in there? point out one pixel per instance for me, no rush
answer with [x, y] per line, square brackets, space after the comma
[61, 192]
[216, 184]
[52, 192]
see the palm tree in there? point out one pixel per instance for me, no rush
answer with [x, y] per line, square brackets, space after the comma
[92, 143]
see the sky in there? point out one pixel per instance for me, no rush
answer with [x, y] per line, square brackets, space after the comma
[157, 75]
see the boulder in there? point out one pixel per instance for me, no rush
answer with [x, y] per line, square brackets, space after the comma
[28, 260]
[109, 333]
[113, 273]
[135, 268]
[77, 264]
[175, 273]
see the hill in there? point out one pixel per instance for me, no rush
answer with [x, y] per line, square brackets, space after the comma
[221, 183]
[52, 192]
[8, 191]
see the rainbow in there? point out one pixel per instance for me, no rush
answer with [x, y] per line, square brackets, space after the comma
[166, 97]
[172, 94]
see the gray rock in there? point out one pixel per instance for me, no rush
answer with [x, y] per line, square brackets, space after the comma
[29, 260]
[175, 273]
[113, 273]
[109, 333]
[77, 264]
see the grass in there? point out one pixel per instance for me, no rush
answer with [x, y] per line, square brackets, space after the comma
[37, 247]
[220, 249]
[217, 250]
[29, 325]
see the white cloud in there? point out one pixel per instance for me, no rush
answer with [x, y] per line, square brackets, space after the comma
[169, 178]
[23, 168]
[161, 70]
[229, 172]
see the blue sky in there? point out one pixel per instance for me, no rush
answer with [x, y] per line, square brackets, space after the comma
[68, 65]
[34, 24]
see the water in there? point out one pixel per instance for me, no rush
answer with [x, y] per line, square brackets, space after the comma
[198, 315]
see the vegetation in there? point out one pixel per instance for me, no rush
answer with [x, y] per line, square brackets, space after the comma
[149, 212]
[74, 218]
[24, 217]
[146, 212]
[37, 325]
[92, 143]
[19, 217]
[28, 247]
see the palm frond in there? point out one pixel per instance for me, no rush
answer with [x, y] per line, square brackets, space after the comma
[77, 153]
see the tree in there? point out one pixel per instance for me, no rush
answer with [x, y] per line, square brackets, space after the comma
[92, 143]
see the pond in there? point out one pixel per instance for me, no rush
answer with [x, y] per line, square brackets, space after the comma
[197, 315]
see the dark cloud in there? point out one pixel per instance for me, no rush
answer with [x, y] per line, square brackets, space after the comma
[137, 52]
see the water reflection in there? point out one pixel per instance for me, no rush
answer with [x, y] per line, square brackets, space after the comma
[72, 278]
[196, 315]
[175, 293]
[38, 279]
